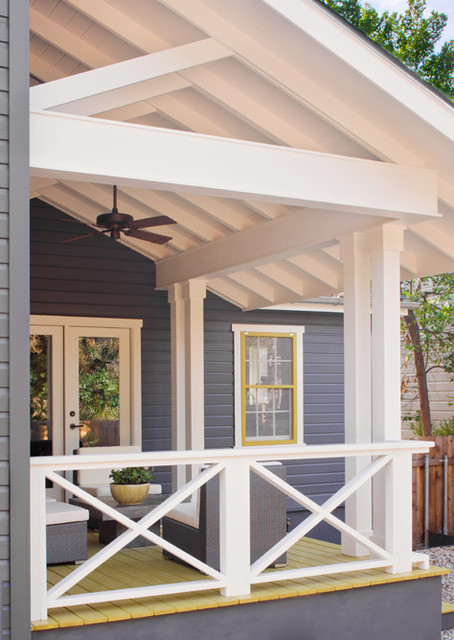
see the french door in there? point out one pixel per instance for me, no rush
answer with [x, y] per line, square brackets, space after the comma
[85, 384]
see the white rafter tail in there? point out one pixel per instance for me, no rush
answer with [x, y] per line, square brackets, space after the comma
[315, 266]
[121, 83]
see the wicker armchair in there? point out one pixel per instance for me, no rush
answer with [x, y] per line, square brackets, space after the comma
[268, 520]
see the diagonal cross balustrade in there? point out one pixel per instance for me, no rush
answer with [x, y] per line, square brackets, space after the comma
[392, 461]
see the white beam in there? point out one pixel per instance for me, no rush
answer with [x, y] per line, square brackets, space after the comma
[179, 160]
[297, 232]
[125, 82]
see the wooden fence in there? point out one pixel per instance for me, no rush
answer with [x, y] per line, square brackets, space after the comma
[433, 489]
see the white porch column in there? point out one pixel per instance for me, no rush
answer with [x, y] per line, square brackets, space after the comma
[357, 376]
[194, 293]
[385, 245]
[177, 375]
[187, 375]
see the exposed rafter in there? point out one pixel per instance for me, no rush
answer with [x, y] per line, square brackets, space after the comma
[125, 82]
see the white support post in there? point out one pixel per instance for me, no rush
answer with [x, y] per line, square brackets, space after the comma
[357, 376]
[38, 555]
[194, 293]
[385, 245]
[177, 349]
[398, 516]
[234, 525]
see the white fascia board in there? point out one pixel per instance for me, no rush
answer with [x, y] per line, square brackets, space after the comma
[122, 83]
[70, 147]
[295, 233]
[362, 56]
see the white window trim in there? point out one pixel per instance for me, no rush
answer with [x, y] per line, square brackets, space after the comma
[298, 330]
[134, 326]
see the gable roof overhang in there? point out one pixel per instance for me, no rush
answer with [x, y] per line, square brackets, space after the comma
[268, 129]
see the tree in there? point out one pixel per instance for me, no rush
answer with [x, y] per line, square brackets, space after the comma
[429, 333]
[412, 37]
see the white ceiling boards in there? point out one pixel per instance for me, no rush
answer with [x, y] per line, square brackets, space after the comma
[268, 129]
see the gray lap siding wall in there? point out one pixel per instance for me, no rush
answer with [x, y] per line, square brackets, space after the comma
[99, 277]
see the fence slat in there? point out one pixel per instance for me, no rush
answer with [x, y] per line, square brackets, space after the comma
[444, 445]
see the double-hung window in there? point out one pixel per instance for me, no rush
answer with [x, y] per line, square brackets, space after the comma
[268, 384]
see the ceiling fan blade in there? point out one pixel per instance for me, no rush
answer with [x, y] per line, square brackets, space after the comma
[85, 235]
[149, 237]
[151, 222]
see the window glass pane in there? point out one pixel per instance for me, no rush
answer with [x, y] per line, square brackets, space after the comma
[40, 395]
[99, 391]
[284, 349]
[283, 415]
[268, 360]
[251, 424]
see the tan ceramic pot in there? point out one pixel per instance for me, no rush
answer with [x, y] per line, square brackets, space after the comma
[129, 493]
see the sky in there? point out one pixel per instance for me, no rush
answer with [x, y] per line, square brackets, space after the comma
[444, 6]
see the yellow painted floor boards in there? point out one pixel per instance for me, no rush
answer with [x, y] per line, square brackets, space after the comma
[146, 566]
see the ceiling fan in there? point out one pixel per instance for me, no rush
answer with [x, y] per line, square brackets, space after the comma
[117, 223]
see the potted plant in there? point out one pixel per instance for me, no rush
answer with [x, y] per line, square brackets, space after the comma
[130, 485]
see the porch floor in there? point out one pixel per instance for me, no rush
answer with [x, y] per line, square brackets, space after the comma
[130, 568]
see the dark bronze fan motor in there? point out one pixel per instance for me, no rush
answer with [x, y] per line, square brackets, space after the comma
[116, 223]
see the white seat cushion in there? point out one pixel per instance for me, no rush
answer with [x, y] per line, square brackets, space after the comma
[62, 513]
[187, 513]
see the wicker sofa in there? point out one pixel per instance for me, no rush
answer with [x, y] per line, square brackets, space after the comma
[194, 526]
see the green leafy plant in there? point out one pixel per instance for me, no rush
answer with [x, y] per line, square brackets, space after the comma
[131, 475]
[412, 36]
[440, 428]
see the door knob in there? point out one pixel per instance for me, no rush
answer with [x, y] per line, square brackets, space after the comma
[76, 426]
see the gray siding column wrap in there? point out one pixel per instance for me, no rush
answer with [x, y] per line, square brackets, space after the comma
[15, 210]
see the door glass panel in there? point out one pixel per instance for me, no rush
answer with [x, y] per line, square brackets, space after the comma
[40, 395]
[99, 391]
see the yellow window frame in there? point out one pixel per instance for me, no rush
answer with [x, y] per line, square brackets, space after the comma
[245, 387]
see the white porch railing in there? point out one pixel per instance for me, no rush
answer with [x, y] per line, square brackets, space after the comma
[236, 574]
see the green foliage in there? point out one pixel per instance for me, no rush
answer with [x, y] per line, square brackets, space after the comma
[411, 36]
[98, 379]
[38, 378]
[131, 475]
[435, 317]
[441, 428]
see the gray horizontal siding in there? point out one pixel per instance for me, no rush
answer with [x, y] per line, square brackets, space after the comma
[98, 277]
[323, 386]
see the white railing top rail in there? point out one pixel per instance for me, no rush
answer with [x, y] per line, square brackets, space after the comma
[261, 454]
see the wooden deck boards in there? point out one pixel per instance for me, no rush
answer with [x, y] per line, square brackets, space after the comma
[146, 566]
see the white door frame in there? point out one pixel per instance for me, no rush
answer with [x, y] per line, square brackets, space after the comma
[64, 329]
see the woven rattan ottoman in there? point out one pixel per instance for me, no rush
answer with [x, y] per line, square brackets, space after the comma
[66, 533]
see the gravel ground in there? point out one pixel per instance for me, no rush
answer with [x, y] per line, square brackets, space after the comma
[444, 557]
